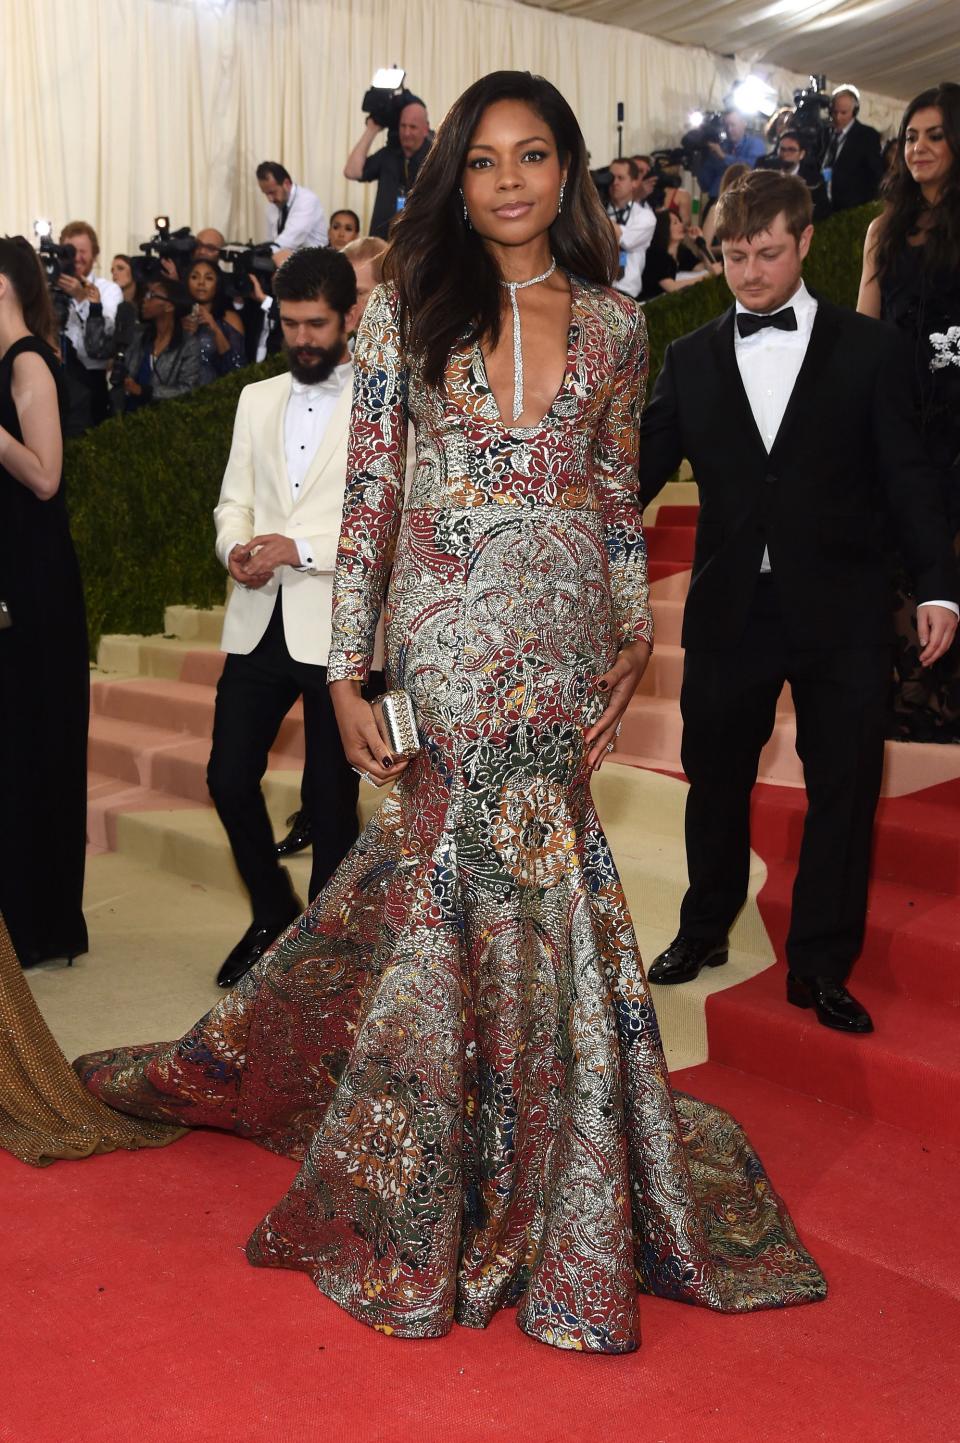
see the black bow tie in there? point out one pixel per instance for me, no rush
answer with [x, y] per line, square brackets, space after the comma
[748, 323]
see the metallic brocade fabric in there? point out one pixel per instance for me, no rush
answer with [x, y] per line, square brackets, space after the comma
[456, 1038]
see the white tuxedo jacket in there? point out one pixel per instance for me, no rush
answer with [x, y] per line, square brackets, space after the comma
[256, 498]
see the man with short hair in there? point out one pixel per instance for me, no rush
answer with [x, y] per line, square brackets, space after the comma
[797, 419]
[633, 224]
[278, 526]
[295, 216]
[91, 298]
[794, 160]
[647, 180]
[210, 244]
[740, 146]
[395, 166]
[853, 163]
[366, 256]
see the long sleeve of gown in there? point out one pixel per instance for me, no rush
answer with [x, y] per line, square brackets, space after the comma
[616, 454]
[373, 500]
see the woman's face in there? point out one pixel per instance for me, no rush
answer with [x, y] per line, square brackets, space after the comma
[512, 176]
[120, 272]
[926, 152]
[677, 229]
[202, 285]
[343, 230]
[154, 301]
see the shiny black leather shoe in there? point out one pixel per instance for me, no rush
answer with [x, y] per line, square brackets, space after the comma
[248, 951]
[831, 1001]
[299, 836]
[682, 960]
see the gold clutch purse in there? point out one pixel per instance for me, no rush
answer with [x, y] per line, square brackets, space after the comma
[397, 723]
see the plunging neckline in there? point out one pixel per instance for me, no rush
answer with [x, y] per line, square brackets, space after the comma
[526, 427]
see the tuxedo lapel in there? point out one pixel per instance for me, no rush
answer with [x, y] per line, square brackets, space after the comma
[802, 402]
[734, 400]
[278, 450]
[332, 443]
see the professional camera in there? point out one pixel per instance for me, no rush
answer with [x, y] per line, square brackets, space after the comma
[246, 262]
[386, 98]
[57, 261]
[165, 244]
[706, 128]
[811, 116]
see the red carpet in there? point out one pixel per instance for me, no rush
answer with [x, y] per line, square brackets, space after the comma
[130, 1315]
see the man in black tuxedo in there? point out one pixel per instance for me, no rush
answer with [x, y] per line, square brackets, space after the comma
[853, 162]
[796, 418]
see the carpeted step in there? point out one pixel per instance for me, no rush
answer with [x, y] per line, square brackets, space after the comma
[670, 515]
[906, 1073]
[841, 1170]
[670, 543]
[916, 838]
[193, 624]
[912, 942]
[176, 707]
[667, 622]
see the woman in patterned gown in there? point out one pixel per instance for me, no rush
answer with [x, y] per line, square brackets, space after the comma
[456, 1038]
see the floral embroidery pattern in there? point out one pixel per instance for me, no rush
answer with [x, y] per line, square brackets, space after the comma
[456, 1039]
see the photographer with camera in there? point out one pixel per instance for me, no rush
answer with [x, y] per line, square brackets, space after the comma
[162, 360]
[735, 144]
[396, 165]
[633, 224]
[295, 217]
[88, 298]
[853, 163]
[794, 160]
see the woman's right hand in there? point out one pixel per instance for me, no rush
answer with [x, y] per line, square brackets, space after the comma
[363, 745]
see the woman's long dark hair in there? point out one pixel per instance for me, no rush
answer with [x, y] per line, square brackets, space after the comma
[448, 283]
[219, 304]
[905, 202]
[20, 263]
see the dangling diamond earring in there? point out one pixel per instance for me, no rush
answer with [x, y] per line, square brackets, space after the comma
[466, 213]
[563, 186]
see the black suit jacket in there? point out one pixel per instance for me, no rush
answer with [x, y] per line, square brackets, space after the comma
[858, 169]
[846, 460]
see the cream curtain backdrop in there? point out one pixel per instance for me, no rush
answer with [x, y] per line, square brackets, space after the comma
[114, 111]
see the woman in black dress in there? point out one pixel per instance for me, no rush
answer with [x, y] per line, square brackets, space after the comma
[911, 279]
[44, 667]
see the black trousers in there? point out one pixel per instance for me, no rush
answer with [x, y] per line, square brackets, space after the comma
[87, 398]
[728, 701]
[254, 694]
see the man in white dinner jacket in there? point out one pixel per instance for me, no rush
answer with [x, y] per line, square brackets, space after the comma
[278, 525]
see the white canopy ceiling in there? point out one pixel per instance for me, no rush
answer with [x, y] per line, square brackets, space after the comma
[895, 47]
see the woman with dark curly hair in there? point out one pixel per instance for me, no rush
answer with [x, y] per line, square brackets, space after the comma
[456, 1039]
[911, 279]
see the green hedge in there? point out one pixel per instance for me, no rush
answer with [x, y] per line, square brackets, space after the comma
[142, 488]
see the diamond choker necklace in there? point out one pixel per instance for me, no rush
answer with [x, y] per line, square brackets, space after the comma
[513, 287]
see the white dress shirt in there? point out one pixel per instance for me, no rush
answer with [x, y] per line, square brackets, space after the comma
[636, 232]
[110, 297]
[769, 363]
[306, 224]
[305, 421]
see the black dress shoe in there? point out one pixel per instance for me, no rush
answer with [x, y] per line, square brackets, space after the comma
[299, 836]
[248, 951]
[682, 960]
[831, 1001]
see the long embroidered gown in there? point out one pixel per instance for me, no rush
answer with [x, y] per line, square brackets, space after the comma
[456, 1037]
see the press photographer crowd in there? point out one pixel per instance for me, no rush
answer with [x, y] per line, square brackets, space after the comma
[190, 306]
